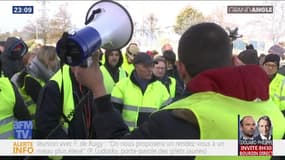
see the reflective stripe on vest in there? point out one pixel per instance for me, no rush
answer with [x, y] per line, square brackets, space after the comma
[172, 87]
[68, 101]
[217, 116]
[134, 102]
[117, 100]
[140, 109]
[7, 103]
[6, 124]
[7, 135]
[277, 91]
[108, 80]
[167, 102]
[6, 120]
[28, 99]
[281, 98]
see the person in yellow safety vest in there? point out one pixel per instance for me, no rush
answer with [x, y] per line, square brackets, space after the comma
[277, 90]
[65, 107]
[111, 70]
[171, 67]
[58, 100]
[31, 80]
[277, 80]
[159, 70]
[137, 96]
[221, 90]
[12, 107]
[271, 65]
[128, 57]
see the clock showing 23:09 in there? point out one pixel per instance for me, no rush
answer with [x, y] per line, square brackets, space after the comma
[22, 9]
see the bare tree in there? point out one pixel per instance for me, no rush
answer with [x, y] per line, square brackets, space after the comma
[49, 29]
[35, 29]
[147, 30]
[151, 23]
[271, 25]
[218, 15]
[186, 18]
[60, 23]
[38, 28]
[136, 30]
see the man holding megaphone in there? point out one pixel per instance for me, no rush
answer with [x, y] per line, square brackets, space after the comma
[65, 106]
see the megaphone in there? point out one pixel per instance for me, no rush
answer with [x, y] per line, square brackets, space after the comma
[108, 26]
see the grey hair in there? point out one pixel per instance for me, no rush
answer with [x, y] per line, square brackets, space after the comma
[265, 118]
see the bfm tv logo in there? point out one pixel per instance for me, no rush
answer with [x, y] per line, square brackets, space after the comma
[23, 130]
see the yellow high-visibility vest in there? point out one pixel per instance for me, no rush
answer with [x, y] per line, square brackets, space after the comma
[68, 101]
[134, 101]
[217, 116]
[277, 90]
[108, 80]
[28, 99]
[7, 103]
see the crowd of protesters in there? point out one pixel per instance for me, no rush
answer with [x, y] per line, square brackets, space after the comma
[131, 93]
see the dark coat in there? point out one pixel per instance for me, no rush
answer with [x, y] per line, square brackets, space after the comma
[178, 88]
[258, 138]
[20, 110]
[50, 111]
[175, 74]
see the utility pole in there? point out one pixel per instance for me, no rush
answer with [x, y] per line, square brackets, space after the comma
[44, 21]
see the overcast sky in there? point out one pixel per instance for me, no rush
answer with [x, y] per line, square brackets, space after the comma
[166, 11]
[78, 11]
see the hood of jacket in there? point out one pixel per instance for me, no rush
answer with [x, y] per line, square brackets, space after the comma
[12, 61]
[107, 64]
[248, 82]
[10, 44]
[39, 70]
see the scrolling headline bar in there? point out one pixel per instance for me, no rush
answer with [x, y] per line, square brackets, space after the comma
[126, 147]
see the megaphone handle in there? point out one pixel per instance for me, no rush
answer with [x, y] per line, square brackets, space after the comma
[96, 11]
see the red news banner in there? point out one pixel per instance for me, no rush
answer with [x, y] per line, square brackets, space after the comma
[255, 148]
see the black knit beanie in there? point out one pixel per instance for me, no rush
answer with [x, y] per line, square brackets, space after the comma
[272, 58]
[249, 56]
